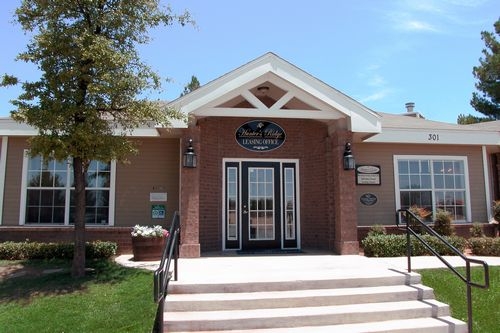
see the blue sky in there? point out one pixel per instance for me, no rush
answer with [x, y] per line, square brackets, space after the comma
[383, 53]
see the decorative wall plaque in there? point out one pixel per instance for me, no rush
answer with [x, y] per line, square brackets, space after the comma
[368, 175]
[368, 199]
[260, 135]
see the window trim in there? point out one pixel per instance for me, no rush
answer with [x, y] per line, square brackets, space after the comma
[24, 190]
[432, 158]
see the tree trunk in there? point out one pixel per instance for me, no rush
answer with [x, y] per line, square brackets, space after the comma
[80, 172]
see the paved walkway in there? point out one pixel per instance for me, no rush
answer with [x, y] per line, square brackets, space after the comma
[227, 268]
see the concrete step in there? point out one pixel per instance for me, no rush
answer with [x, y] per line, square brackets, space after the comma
[355, 280]
[195, 321]
[418, 325]
[296, 298]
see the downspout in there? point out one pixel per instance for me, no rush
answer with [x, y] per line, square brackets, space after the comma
[487, 182]
[3, 173]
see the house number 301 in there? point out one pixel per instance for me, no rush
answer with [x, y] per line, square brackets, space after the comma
[433, 137]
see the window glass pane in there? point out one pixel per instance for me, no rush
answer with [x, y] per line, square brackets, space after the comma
[459, 167]
[33, 197]
[438, 167]
[35, 163]
[439, 181]
[60, 178]
[403, 167]
[426, 181]
[47, 180]
[425, 167]
[448, 167]
[404, 182]
[47, 197]
[415, 182]
[449, 182]
[414, 167]
[34, 179]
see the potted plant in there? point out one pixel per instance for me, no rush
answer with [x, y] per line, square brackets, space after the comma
[148, 242]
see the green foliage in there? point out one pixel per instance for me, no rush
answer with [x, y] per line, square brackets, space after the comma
[485, 246]
[488, 76]
[496, 210]
[90, 95]
[395, 245]
[191, 86]
[463, 119]
[476, 230]
[112, 299]
[451, 290]
[36, 250]
[384, 246]
[376, 230]
[442, 223]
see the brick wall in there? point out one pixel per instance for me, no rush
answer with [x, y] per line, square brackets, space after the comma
[306, 141]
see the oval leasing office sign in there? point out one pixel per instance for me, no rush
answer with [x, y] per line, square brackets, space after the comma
[260, 135]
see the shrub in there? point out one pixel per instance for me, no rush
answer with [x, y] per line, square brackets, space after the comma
[496, 210]
[485, 246]
[442, 223]
[377, 229]
[395, 245]
[384, 245]
[36, 250]
[476, 230]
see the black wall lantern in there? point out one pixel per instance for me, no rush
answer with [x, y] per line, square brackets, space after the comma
[349, 163]
[189, 160]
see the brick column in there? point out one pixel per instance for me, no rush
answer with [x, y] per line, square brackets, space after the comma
[190, 199]
[343, 214]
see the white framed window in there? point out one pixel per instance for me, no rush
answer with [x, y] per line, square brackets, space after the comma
[47, 196]
[433, 183]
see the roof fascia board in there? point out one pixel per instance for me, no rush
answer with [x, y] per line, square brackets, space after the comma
[436, 136]
[267, 113]
[362, 119]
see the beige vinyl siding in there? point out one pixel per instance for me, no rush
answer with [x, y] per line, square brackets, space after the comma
[383, 212]
[13, 178]
[154, 169]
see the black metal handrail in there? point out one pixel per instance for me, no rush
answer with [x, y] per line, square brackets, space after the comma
[466, 279]
[163, 275]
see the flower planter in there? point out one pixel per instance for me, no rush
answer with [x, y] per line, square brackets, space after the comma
[147, 248]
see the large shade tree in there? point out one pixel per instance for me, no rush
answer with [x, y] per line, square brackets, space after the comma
[88, 97]
[487, 73]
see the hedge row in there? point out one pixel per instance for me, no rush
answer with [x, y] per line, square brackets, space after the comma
[485, 246]
[36, 250]
[379, 245]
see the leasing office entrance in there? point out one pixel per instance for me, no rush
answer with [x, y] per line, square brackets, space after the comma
[260, 205]
[221, 206]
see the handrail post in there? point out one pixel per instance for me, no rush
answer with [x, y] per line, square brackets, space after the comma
[408, 244]
[469, 297]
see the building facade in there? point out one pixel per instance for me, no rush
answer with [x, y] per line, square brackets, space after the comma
[269, 142]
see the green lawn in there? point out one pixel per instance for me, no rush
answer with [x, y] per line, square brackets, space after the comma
[111, 298]
[449, 289]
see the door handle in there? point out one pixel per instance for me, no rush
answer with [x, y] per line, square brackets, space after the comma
[245, 209]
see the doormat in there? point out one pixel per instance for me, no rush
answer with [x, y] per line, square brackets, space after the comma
[268, 251]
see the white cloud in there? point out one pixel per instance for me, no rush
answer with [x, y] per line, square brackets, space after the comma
[376, 96]
[416, 25]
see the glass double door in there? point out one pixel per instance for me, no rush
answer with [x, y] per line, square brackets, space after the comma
[261, 205]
